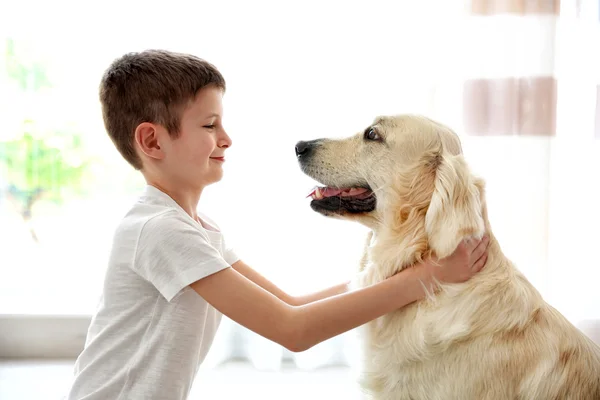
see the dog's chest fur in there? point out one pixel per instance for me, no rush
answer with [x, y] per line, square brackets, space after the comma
[416, 352]
[401, 349]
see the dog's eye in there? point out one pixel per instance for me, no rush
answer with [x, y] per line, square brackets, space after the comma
[371, 134]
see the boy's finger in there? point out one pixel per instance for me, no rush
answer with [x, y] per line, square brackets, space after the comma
[481, 248]
[483, 243]
[480, 263]
[470, 244]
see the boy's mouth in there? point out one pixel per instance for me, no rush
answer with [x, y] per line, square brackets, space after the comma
[218, 158]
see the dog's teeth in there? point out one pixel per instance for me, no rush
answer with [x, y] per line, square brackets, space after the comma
[317, 193]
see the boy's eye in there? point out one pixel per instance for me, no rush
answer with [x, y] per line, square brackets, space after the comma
[209, 126]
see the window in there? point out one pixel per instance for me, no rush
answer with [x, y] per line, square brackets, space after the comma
[509, 76]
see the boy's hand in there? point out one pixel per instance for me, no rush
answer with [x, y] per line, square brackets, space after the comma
[468, 259]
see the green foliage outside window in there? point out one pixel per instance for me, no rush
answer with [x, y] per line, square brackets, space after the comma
[41, 158]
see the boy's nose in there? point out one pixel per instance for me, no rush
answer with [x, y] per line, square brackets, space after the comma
[225, 141]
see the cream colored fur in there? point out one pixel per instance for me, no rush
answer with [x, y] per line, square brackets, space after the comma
[493, 337]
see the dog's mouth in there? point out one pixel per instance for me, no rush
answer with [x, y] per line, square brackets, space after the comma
[354, 200]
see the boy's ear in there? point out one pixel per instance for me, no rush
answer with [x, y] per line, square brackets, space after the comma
[147, 140]
[456, 210]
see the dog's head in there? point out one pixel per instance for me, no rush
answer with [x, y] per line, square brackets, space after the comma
[404, 177]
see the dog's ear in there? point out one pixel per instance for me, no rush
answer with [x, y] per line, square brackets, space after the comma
[456, 210]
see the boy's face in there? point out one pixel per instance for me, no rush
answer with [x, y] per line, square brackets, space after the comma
[195, 158]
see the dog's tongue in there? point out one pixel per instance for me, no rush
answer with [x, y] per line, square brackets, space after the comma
[322, 192]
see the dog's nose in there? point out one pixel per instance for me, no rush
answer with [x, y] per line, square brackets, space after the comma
[303, 148]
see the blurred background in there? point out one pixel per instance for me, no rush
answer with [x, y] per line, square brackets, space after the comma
[519, 80]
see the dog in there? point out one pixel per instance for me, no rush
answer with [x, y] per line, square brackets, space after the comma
[492, 337]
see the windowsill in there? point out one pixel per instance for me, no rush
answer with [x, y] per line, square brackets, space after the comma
[42, 336]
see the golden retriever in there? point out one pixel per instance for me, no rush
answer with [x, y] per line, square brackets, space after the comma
[492, 337]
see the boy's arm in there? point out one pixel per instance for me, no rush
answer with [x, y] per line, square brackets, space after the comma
[298, 328]
[270, 287]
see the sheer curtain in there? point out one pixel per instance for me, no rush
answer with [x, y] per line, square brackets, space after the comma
[518, 80]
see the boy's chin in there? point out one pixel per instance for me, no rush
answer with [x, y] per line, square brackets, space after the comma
[212, 179]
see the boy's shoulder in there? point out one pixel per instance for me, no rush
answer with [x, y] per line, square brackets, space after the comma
[143, 215]
[155, 212]
[150, 211]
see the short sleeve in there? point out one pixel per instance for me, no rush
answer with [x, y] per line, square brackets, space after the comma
[172, 253]
[230, 255]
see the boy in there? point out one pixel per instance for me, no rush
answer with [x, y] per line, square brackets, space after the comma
[170, 272]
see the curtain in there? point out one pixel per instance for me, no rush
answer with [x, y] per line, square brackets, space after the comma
[518, 80]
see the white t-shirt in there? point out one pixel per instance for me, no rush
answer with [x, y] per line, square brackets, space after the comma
[151, 331]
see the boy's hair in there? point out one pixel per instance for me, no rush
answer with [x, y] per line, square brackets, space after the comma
[150, 86]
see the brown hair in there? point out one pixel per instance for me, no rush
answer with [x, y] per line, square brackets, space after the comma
[150, 86]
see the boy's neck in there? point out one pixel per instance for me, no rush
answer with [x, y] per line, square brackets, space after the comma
[187, 199]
